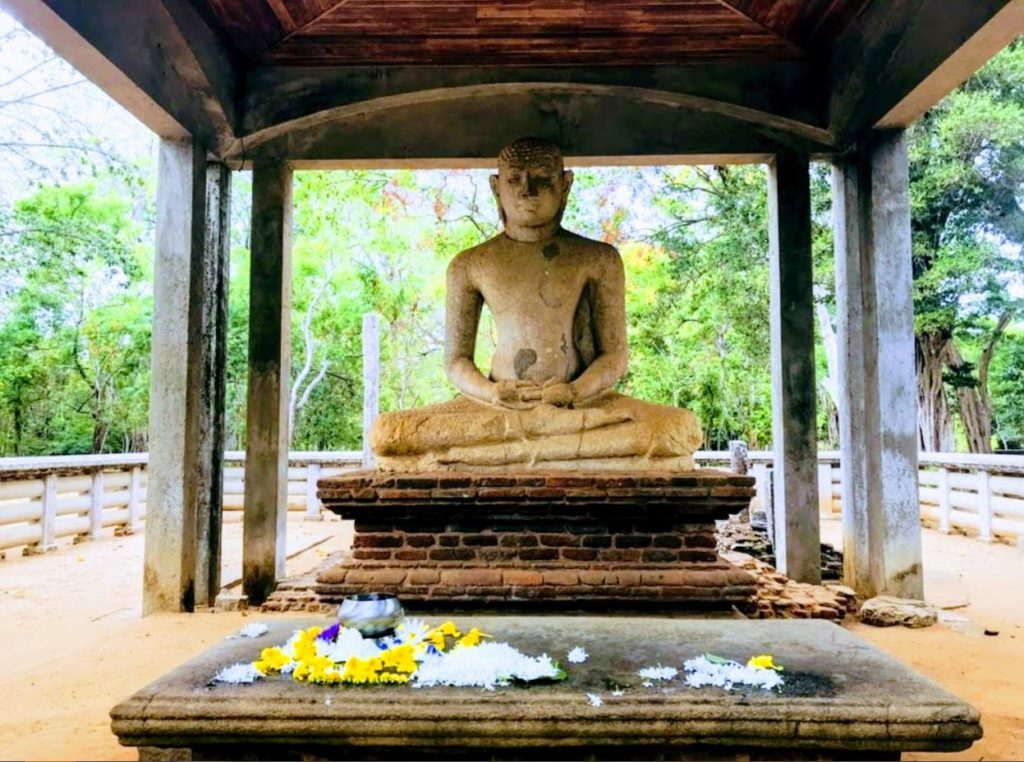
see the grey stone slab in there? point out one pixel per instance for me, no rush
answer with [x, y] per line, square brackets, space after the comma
[843, 697]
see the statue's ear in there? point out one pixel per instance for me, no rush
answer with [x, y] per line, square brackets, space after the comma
[567, 178]
[494, 185]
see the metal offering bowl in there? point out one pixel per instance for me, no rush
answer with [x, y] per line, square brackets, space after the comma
[371, 614]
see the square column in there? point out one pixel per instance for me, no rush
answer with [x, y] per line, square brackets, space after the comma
[794, 394]
[186, 416]
[266, 456]
[877, 382]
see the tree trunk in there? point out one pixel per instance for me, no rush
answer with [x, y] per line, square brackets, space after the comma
[935, 424]
[975, 402]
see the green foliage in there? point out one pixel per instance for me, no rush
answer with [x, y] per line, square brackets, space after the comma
[76, 266]
[74, 340]
[1008, 392]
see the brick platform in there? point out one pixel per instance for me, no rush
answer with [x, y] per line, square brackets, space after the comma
[488, 538]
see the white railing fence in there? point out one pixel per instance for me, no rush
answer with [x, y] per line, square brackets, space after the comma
[44, 499]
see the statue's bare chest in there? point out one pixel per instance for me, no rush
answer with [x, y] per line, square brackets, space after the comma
[535, 278]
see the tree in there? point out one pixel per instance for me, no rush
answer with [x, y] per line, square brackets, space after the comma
[967, 168]
[75, 339]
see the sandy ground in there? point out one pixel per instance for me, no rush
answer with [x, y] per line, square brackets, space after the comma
[74, 643]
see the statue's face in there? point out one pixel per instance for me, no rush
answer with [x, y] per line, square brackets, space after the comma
[531, 195]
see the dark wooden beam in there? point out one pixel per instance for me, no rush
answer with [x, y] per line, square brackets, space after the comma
[471, 130]
[895, 58]
[159, 59]
[783, 96]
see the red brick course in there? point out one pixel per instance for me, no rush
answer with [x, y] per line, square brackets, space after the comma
[489, 538]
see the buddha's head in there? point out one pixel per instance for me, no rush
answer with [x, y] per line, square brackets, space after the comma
[532, 184]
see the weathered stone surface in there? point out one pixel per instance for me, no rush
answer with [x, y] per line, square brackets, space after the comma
[886, 611]
[558, 302]
[843, 697]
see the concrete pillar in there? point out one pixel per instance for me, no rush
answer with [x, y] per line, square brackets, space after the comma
[186, 411]
[794, 395]
[877, 384]
[371, 382]
[266, 457]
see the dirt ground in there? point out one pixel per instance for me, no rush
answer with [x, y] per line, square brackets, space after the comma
[75, 643]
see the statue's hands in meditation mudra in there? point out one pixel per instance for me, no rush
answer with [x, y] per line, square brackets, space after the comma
[558, 302]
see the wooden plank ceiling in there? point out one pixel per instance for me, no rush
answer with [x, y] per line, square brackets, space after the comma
[527, 32]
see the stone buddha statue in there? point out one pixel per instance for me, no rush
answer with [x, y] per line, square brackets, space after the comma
[558, 302]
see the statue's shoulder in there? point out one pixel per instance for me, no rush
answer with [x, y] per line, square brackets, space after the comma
[474, 254]
[599, 251]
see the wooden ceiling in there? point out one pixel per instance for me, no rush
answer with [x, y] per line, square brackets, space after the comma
[526, 32]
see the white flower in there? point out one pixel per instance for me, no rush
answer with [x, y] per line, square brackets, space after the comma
[484, 666]
[349, 643]
[577, 655]
[410, 632]
[658, 673]
[237, 674]
[253, 630]
[647, 684]
[595, 700]
[701, 672]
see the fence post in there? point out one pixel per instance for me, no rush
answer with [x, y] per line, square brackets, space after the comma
[312, 501]
[944, 506]
[95, 509]
[761, 485]
[48, 520]
[134, 499]
[984, 507]
[825, 489]
[738, 456]
[371, 381]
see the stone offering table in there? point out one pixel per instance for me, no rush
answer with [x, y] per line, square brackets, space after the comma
[478, 537]
[843, 698]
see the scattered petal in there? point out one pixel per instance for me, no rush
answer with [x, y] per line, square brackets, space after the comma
[237, 674]
[577, 656]
[595, 700]
[618, 693]
[647, 684]
[658, 673]
[253, 630]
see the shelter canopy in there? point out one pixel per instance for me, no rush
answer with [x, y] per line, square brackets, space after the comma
[336, 82]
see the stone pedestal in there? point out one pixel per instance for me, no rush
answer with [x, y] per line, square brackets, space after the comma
[842, 699]
[485, 538]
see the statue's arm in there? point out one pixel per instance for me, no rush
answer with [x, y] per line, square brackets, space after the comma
[463, 303]
[609, 320]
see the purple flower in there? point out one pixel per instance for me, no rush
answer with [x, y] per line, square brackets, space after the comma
[330, 634]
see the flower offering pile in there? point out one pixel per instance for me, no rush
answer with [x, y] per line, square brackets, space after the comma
[759, 672]
[417, 654]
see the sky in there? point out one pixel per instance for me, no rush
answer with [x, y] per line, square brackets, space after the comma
[47, 105]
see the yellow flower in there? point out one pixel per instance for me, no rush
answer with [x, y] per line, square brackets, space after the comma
[392, 677]
[272, 660]
[437, 638]
[764, 661]
[472, 638]
[360, 671]
[400, 658]
[448, 628]
[305, 644]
